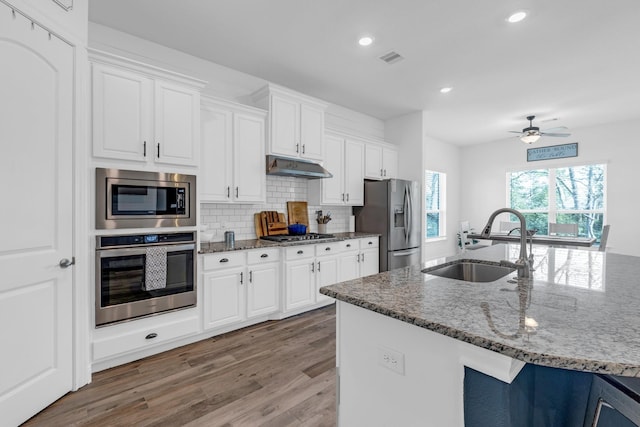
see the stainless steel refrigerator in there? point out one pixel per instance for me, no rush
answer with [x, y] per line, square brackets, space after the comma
[392, 209]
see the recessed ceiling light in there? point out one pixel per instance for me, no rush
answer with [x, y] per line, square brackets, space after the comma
[445, 89]
[365, 40]
[517, 16]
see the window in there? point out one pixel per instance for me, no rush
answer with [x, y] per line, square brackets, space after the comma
[435, 203]
[574, 194]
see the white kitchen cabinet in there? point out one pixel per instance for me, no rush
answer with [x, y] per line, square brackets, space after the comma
[381, 162]
[299, 280]
[296, 122]
[240, 285]
[369, 256]
[349, 267]
[223, 297]
[263, 289]
[144, 114]
[232, 160]
[327, 270]
[344, 158]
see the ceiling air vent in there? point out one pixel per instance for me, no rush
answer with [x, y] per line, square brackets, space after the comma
[391, 57]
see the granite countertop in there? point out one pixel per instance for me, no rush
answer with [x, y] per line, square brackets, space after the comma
[213, 247]
[580, 311]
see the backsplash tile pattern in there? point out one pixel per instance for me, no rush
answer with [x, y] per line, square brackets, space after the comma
[220, 217]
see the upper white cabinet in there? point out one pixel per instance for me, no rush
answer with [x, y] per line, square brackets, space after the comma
[344, 158]
[142, 113]
[381, 162]
[232, 153]
[296, 122]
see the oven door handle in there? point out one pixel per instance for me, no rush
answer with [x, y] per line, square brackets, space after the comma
[107, 253]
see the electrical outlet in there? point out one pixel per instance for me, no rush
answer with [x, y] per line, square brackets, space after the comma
[391, 359]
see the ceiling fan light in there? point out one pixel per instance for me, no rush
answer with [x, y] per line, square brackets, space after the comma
[530, 138]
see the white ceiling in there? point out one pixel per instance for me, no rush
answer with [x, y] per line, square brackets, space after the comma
[575, 60]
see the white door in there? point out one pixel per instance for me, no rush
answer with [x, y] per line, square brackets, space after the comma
[311, 132]
[36, 94]
[373, 168]
[285, 127]
[299, 283]
[390, 163]
[327, 274]
[333, 188]
[223, 297]
[262, 289]
[354, 172]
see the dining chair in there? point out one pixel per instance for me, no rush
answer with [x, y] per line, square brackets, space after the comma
[564, 229]
[465, 242]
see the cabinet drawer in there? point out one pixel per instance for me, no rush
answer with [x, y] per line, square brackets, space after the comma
[223, 260]
[299, 252]
[263, 255]
[142, 338]
[330, 248]
[350, 245]
[369, 242]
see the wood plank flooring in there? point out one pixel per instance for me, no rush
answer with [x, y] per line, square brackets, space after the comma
[279, 373]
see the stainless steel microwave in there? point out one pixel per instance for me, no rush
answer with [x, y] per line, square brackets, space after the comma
[135, 199]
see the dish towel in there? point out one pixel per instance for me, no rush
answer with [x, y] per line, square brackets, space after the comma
[155, 272]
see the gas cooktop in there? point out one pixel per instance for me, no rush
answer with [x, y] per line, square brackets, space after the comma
[300, 238]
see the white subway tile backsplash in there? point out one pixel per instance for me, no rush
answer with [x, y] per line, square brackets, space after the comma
[220, 217]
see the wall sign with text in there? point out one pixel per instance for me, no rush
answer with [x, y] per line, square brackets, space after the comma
[552, 152]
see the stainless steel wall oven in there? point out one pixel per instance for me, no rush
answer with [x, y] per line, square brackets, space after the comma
[143, 274]
[135, 199]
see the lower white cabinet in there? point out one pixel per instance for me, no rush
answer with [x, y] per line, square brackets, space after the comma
[299, 277]
[369, 256]
[327, 267]
[240, 285]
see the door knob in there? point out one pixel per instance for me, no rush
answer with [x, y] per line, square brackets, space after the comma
[66, 263]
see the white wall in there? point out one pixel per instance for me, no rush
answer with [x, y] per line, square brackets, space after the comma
[443, 157]
[484, 170]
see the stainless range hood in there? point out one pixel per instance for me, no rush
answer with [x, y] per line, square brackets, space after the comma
[283, 166]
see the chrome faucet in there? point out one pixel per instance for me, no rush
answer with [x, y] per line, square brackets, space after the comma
[523, 262]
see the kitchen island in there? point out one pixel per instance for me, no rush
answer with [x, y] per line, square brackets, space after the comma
[405, 337]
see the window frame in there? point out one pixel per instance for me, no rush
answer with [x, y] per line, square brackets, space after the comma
[552, 210]
[442, 211]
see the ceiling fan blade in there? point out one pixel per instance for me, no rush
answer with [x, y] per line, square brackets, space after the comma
[514, 131]
[564, 135]
[556, 129]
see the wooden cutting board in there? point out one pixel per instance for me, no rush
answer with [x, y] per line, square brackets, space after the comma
[269, 223]
[298, 213]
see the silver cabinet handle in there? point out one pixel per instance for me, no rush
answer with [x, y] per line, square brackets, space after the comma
[250, 276]
[158, 150]
[303, 147]
[66, 263]
[241, 277]
[237, 191]
[371, 243]
[318, 266]
[151, 336]
[358, 258]
[347, 197]
[264, 256]
[228, 191]
[297, 148]
[348, 245]
[385, 172]
[224, 260]
[362, 257]
[300, 252]
[343, 197]
[313, 267]
[381, 174]
[144, 149]
[328, 248]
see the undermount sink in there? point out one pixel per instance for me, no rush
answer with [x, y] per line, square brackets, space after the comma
[470, 271]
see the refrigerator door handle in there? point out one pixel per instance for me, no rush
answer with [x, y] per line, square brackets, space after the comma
[409, 213]
[405, 214]
[404, 253]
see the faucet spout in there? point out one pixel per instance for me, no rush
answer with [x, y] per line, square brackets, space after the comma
[522, 264]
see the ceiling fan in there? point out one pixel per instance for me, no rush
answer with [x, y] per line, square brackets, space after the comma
[532, 133]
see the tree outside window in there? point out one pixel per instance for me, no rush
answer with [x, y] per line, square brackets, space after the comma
[564, 195]
[435, 204]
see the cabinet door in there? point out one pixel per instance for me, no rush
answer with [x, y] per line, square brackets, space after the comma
[373, 168]
[285, 131]
[249, 176]
[177, 124]
[215, 180]
[223, 297]
[333, 188]
[349, 266]
[299, 283]
[389, 163]
[122, 114]
[262, 289]
[326, 274]
[369, 262]
[354, 173]
[311, 132]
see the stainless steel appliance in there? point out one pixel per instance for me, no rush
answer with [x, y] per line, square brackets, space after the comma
[135, 199]
[392, 209]
[124, 267]
[283, 238]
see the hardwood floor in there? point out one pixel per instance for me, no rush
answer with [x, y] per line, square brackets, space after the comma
[279, 373]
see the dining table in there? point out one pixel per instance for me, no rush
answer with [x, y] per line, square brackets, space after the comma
[538, 239]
